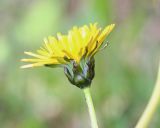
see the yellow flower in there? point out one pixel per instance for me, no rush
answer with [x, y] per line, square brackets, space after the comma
[80, 43]
[74, 51]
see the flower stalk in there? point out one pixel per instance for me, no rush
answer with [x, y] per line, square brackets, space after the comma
[90, 107]
[152, 105]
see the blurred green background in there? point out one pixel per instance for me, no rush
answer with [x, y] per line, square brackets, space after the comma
[125, 71]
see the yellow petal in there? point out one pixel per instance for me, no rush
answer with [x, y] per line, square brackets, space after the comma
[35, 55]
[105, 33]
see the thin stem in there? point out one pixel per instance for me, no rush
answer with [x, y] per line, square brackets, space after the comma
[90, 107]
[152, 105]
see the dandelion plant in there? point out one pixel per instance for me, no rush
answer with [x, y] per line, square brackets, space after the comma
[75, 53]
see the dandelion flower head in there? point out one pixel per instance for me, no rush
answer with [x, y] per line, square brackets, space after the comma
[74, 51]
[80, 43]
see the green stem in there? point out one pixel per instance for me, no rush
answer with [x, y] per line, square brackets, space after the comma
[152, 105]
[90, 107]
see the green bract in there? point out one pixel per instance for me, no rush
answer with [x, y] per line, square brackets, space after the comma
[80, 75]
